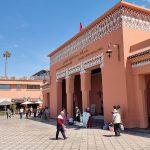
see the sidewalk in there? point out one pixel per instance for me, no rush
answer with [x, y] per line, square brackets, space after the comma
[32, 134]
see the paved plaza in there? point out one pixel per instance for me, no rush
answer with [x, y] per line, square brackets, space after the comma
[29, 134]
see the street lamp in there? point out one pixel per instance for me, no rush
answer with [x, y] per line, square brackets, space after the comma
[109, 51]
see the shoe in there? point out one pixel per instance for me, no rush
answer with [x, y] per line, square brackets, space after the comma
[65, 138]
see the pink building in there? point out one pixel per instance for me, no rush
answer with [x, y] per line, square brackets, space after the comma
[20, 89]
[106, 64]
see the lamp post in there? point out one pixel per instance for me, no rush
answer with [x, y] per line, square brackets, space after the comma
[109, 51]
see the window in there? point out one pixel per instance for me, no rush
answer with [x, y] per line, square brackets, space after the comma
[33, 86]
[5, 86]
[18, 87]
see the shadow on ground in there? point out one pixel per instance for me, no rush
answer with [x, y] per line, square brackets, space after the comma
[53, 121]
[137, 133]
[96, 125]
[109, 135]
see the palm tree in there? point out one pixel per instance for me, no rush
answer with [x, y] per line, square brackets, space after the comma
[6, 54]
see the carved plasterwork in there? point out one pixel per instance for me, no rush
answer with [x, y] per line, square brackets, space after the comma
[122, 16]
[141, 63]
[81, 67]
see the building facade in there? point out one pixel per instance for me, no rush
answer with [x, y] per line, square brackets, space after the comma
[19, 90]
[106, 64]
[46, 88]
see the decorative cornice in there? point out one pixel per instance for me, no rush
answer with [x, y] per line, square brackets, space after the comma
[69, 77]
[121, 17]
[81, 67]
[140, 63]
[139, 54]
[85, 72]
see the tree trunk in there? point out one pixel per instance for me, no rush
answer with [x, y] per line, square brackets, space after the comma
[6, 67]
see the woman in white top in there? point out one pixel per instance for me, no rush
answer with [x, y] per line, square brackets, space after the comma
[116, 122]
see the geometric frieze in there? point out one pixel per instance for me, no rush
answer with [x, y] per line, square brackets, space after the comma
[143, 53]
[81, 67]
[141, 63]
[121, 17]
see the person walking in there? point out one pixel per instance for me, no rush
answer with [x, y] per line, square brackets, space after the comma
[60, 126]
[30, 111]
[8, 113]
[116, 121]
[21, 112]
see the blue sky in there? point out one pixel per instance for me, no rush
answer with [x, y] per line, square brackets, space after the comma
[31, 29]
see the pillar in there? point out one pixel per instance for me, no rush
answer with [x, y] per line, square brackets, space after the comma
[85, 88]
[140, 99]
[70, 92]
[59, 96]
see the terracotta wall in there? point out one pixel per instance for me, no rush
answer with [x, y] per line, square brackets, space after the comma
[147, 78]
[132, 37]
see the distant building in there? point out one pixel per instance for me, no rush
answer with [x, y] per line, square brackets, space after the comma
[45, 86]
[42, 74]
[19, 90]
[46, 93]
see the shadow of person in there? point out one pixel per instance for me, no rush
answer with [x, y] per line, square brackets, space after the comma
[108, 135]
[55, 139]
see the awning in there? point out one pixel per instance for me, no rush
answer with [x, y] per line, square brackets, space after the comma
[4, 103]
[5, 99]
[25, 103]
[39, 102]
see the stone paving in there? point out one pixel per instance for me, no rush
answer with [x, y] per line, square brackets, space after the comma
[30, 134]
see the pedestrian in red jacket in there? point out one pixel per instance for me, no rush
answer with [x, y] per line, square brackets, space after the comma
[60, 126]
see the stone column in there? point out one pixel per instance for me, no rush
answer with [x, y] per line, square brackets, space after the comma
[140, 99]
[85, 88]
[69, 92]
[59, 96]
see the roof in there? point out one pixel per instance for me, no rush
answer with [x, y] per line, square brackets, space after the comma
[121, 3]
[39, 73]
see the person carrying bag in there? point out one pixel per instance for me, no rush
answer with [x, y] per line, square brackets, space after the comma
[116, 122]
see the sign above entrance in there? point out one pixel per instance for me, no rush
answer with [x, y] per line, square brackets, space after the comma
[81, 67]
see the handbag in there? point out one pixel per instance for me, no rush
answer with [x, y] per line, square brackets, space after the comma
[121, 126]
[111, 127]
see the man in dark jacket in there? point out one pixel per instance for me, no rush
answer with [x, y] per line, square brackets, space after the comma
[60, 126]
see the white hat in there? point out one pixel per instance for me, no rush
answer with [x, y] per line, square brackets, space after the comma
[62, 112]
